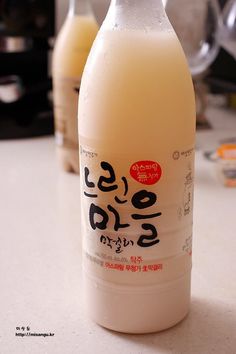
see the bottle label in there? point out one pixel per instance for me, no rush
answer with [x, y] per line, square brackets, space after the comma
[137, 214]
[66, 91]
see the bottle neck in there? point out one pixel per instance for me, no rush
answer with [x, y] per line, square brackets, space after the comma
[79, 7]
[136, 14]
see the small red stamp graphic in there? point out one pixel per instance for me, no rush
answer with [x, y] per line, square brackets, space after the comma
[146, 172]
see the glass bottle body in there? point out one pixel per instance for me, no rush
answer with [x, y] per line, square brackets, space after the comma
[71, 50]
[136, 129]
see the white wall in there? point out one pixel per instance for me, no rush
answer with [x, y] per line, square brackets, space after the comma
[100, 8]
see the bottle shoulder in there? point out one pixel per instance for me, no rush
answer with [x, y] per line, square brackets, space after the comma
[73, 44]
[134, 51]
[76, 29]
[138, 81]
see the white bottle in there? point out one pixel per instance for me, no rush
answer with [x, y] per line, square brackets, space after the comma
[137, 133]
[70, 54]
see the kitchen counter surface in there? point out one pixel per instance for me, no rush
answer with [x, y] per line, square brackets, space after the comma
[40, 259]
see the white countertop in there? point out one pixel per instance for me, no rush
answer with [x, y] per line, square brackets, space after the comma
[40, 259]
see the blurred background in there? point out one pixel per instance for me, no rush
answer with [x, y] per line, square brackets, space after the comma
[28, 29]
